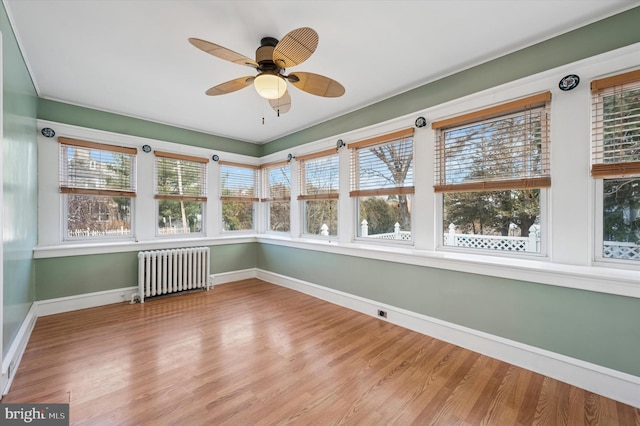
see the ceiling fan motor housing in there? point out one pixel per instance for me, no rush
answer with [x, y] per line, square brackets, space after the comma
[264, 55]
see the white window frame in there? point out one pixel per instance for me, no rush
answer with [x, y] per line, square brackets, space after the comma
[598, 231]
[302, 196]
[254, 199]
[615, 82]
[377, 141]
[502, 110]
[202, 199]
[544, 236]
[65, 142]
[267, 200]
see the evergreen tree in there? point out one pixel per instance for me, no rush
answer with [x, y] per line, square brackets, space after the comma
[502, 149]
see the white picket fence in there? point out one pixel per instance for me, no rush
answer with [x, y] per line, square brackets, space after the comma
[173, 230]
[619, 250]
[530, 244]
[397, 234]
[79, 233]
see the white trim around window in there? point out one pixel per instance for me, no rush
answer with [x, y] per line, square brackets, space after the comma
[572, 206]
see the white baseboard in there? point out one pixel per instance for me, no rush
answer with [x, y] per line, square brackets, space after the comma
[229, 277]
[604, 381]
[12, 359]
[83, 301]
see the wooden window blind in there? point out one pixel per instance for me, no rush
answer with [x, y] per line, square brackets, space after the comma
[382, 165]
[616, 126]
[318, 175]
[498, 148]
[238, 182]
[90, 168]
[180, 177]
[277, 180]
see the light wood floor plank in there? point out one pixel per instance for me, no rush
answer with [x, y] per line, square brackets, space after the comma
[252, 353]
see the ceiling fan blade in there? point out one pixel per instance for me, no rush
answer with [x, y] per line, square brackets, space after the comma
[316, 84]
[281, 105]
[230, 86]
[295, 47]
[222, 52]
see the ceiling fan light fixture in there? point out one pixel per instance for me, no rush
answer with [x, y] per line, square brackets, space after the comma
[270, 86]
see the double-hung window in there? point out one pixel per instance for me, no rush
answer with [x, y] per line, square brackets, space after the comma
[318, 177]
[238, 194]
[382, 185]
[98, 183]
[616, 165]
[277, 187]
[491, 169]
[181, 193]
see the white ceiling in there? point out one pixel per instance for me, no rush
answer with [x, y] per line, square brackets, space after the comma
[132, 56]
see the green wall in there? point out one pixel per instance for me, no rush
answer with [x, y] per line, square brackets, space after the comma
[594, 327]
[19, 184]
[86, 117]
[581, 324]
[602, 36]
[74, 275]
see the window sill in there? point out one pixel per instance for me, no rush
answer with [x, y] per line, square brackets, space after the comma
[603, 279]
[591, 278]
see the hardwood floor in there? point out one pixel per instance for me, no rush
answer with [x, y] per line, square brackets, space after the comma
[253, 353]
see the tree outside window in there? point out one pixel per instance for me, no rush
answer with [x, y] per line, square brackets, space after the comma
[277, 187]
[492, 167]
[180, 193]
[318, 175]
[616, 160]
[382, 185]
[238, 194]
[98, 185]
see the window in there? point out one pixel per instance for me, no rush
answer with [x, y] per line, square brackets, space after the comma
[181, 188]
[98, 183]
[238, 195]
[277, 184]
[382, 185]
[616, 164]
[318, 175]
[492, 168]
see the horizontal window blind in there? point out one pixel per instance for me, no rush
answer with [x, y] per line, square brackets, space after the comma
[318, 175]
[616, 126]
[498, 148]
[91, 168]
[277, 178]
[382, 165]
[180, 177]
[238, 182]
[175, 156]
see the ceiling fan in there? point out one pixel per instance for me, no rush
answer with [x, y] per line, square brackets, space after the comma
[273, 57]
